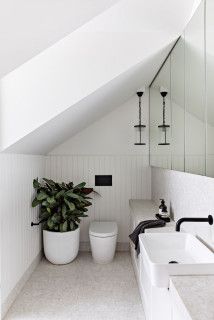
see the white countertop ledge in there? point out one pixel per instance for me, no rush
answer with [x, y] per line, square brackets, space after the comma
[196, 295]
[145, 210]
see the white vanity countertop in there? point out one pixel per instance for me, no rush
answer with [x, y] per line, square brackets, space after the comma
[145, 210]
[193, 294]
[196, 293]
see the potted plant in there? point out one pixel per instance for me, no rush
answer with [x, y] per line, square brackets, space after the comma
[62, 205]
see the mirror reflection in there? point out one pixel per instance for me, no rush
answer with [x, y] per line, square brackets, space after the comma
[210, 88]
[160, 119]
[177, 105]
[182, 122]
[195, 94]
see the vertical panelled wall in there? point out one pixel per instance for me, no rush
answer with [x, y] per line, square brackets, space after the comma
[20, 243]
[107, 147]
[130, 179]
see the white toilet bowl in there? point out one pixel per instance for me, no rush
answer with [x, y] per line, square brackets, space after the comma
[103, 239]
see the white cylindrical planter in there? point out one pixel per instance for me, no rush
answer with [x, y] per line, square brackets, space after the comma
[61, 247]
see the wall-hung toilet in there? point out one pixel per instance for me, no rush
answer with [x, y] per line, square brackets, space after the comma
[103, 239]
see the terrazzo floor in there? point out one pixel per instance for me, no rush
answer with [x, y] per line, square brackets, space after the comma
[81, 290]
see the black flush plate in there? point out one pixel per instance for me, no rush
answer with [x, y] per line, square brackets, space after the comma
[103, 180]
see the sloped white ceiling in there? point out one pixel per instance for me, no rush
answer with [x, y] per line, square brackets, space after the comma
[126, 44]
[30, 26]
[90, 109]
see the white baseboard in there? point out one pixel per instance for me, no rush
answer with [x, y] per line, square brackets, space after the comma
[121, 246]
[16, 290]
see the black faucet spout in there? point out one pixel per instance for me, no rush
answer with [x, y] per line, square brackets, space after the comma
[209, 219]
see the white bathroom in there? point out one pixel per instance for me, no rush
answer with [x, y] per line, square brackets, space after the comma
[107, 160]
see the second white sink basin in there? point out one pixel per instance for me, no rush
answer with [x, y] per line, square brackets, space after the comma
[165, 254]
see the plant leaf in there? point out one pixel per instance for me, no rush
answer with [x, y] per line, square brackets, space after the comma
[70, 205]
[88, 190]
[50, 224]
[60, 194]
[64, 226]
[55, 218]
[87, 203]
[51, 200]
[71, 185]
[44, 215]
[36, 183]
[45, 203]
[77, 220]
[35, 202]
[72, 226]
[80, 185]
[50, 183]
[41, 196]
[72, 195]
[65, 212]
[64, 209]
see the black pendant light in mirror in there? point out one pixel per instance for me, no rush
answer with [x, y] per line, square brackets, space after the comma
[140, 126]
[163, 127]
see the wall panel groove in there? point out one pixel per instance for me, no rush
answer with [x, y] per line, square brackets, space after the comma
[131, 179]
[20, 243]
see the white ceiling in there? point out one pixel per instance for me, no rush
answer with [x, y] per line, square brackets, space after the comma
[90, 109]
[145, 21]
[28, 27]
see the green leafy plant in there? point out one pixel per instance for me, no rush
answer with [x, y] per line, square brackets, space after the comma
[62, 205]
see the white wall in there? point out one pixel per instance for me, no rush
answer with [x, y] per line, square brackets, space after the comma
[113, 134]
[188, 195]
[107, 147]
[130, 180]
[24, 37]
[20, 243]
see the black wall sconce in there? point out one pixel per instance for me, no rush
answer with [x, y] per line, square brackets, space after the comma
[140, 126]
[163, 127]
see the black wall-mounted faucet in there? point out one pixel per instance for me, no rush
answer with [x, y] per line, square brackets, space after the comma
[209, 219]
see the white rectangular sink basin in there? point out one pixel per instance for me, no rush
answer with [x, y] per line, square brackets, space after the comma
[166, 254]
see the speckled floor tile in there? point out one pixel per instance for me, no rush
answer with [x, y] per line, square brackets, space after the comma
[81, 290]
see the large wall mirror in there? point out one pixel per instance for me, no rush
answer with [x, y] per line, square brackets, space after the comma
[188, 77]
[160, 153]
[195, 94]
[177, 106]
[210, 87]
